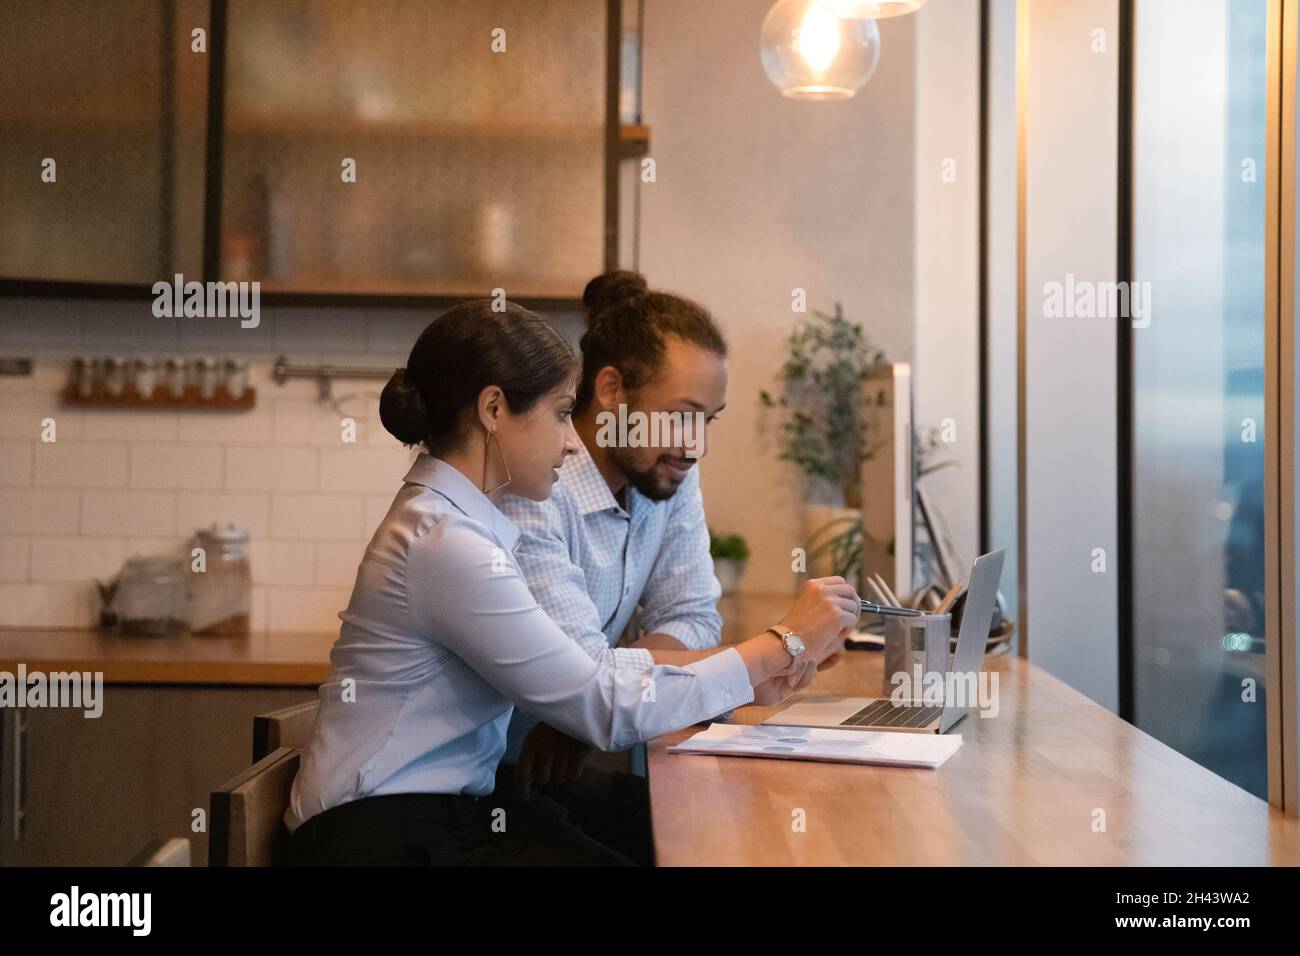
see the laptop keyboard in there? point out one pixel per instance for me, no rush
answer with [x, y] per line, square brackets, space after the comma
[885, 713]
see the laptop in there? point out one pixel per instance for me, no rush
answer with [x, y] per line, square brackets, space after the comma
[865, 713]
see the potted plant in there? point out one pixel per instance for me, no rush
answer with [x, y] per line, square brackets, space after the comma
[729, 552]
[826, 417]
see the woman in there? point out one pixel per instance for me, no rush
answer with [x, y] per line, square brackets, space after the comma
[441, 637]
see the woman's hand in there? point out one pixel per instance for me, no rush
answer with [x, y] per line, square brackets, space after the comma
[549, 756]
[776, 689]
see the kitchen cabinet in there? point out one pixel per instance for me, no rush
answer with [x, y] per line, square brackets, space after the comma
[94, 792]
[103, 118]
[439, 148]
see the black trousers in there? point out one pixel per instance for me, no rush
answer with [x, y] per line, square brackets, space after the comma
[559, 825]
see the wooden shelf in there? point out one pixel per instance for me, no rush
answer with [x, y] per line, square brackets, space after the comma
[161, 400]
[294, 126]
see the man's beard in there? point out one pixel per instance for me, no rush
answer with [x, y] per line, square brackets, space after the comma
[648, 481]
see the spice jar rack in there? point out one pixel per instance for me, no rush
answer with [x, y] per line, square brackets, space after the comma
[177, 382]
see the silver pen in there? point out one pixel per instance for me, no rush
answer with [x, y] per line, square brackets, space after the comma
[875, 608]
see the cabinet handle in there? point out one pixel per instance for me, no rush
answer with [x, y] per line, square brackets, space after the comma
[20, 774]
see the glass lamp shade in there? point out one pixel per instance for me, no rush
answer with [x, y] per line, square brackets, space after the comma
[869, 10]
[811, 54]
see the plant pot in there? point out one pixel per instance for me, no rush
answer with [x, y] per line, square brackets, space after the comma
[822, 522]
[728, 571]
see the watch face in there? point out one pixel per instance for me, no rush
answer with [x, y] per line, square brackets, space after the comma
[794, 644]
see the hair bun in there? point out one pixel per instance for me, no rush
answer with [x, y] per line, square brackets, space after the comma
[403, 411]
[612, 288]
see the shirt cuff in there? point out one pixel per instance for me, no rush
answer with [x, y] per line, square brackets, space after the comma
[632, 658]
[726, 679]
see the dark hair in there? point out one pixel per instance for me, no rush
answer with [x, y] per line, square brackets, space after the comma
[628, 327]
[462, 352]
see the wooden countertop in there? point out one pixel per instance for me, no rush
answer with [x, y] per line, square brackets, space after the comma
[260, 659]
[1024, 789]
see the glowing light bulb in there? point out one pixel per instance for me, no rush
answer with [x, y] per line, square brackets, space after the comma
[810, 54]
[819, 37]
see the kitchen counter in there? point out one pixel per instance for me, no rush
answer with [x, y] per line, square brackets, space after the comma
[257, 660]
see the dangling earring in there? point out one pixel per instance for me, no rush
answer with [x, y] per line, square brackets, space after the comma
[488, 440]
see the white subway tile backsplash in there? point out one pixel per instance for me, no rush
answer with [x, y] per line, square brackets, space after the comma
[15, 463]
[316, 517]
[376, 507]
[363, 468]
[285, 563]
[249, 427]
[125, 328]
[15, 555]
[319, 423]
[108, 424]
[305, 609]
[336, 563]
[309, 331]
[80, 464]
[144, 547]
[76, 559]
[395, 332]
[36, 604]
[378, 436]
[271, 469]
[176, 466]
[257, 608]
[38, 512]
[16, 384]
[128, 513]
[220, 335]
[24, 415]
[202, 509]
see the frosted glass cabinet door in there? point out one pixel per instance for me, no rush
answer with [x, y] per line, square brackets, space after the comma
[387, 147]
[103, 112]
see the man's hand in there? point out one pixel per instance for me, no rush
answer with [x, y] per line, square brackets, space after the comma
[549, 756]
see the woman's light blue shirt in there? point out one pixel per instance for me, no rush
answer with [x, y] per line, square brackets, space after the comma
[441, 638]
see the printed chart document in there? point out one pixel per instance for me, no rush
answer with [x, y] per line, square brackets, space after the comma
[822, 743]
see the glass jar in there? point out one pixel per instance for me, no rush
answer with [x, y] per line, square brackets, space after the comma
[145, 377]
[115, 375]
[177, 370]
[206, 376]
[220, 595]
[236, 379]
[150, 598]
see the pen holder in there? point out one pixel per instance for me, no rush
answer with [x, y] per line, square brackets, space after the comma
[916, 646]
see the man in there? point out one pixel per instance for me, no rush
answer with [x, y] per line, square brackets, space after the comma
[624, 529]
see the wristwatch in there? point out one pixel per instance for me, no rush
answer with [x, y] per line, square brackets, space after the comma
[791, 641]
